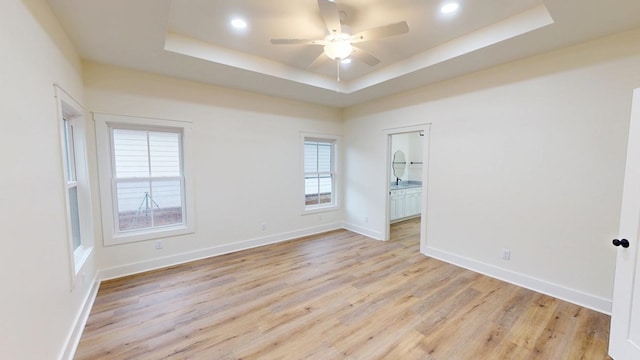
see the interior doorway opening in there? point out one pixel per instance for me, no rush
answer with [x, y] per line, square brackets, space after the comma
[407, 183]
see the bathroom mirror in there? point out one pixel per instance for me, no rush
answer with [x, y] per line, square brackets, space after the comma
[399, 163]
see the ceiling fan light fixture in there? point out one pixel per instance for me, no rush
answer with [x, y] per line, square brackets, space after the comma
[338, 49]
[339, 39]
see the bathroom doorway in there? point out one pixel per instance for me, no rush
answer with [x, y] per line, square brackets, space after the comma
[407, 165]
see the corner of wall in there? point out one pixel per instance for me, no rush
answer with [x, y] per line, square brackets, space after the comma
[73, 339]
[545, 287]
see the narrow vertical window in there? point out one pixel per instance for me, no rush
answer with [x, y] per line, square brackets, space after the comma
[319, 173]
[72, 183]
[75, 180]
[148, 179]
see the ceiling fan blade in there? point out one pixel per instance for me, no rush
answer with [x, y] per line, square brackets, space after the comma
[330, 15]
[296, 42]
[321, 59]
[381, 32]
[365, 57]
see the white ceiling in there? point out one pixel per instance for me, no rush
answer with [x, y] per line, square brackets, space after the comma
[193, 39]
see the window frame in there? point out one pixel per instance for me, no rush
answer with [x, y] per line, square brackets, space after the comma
[71, 180]
[105, 123]
[334, 204]
[75, 174]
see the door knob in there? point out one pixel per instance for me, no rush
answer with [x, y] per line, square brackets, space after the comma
[624, 243]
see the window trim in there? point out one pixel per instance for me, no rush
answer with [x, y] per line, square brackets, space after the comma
[71, 175]
[104, 125]
[70, 114]
[335, 202]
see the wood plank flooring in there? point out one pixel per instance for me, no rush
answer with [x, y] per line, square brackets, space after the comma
[337, 295]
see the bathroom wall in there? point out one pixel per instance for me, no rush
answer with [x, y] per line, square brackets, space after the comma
[412, 146]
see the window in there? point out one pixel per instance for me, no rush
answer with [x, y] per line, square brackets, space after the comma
[76, 181]
[142, 161]
[319, 173]
[71, 183]
[147, 179]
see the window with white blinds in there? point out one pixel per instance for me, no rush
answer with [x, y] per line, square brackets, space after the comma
[319, 172]
[148, 180]
[146, 190]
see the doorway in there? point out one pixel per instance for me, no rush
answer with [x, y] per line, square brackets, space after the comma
[407, 165]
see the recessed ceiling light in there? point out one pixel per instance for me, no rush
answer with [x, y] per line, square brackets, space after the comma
[449, 7]
[238, 23]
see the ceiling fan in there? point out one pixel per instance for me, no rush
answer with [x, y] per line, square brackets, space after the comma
[338, 44]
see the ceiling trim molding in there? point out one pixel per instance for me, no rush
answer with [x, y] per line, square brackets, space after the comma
[525, 22]
[186, 45]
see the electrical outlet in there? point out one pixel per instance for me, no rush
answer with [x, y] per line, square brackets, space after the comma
[366, 219]
[264, 226]
[159, 244]
[506, 254]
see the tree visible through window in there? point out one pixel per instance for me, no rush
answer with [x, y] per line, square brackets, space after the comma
[319, 172]
[147, 178]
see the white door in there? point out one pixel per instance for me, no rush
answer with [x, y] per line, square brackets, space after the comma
[624, 341]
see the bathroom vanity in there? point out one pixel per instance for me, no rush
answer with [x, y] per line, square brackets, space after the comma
[404, 200]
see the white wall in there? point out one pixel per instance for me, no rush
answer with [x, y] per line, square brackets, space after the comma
[38, 309]
[400, 142]
[415, 156]
[247, 162]
[411, 144]
[527, 156]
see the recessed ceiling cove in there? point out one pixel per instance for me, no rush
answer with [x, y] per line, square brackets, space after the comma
[288, 39]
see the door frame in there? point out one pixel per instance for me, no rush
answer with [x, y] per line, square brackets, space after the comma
[425, 129]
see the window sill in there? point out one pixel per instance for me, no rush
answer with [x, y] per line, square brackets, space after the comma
[125, 238]
[320, 209]
[80, 256]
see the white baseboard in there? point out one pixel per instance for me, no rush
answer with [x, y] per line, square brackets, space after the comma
[363, 231]
[157, 263]
[81, 320]
[561, 292]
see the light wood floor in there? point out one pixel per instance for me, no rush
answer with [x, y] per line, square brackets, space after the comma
[334, 296]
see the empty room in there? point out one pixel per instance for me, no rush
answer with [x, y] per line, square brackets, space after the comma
[320, 179]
